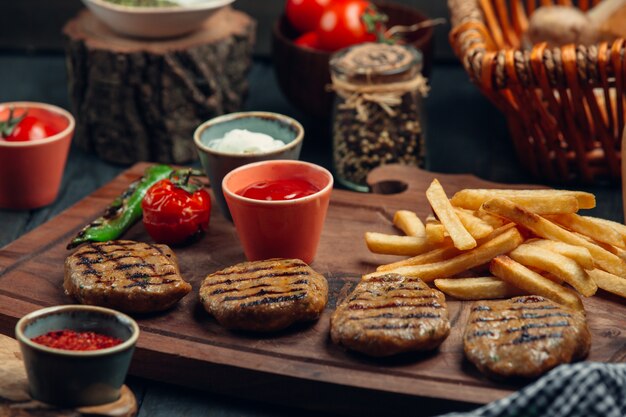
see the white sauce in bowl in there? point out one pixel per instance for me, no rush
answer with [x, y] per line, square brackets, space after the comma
[242, 141]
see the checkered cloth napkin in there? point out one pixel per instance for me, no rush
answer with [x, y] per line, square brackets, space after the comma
[585, 389]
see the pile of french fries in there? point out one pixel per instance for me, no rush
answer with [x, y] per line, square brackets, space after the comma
[488, 244]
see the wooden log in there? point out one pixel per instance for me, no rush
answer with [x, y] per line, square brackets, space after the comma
[141, 100]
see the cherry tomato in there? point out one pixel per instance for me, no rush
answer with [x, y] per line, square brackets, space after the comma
[343, 24]
[176, 212]
[304, 15]
[24, 125]
[308, 40]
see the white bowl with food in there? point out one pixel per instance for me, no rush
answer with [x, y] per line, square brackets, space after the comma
[154, 18]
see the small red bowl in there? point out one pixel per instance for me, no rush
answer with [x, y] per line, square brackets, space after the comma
[278, 229]
[31, 172]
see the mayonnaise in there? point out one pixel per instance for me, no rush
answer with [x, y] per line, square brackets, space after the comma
[242, 141]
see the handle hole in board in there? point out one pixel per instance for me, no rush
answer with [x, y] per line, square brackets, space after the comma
[389, 187]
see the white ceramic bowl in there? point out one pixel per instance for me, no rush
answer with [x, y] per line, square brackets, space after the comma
[155, 22]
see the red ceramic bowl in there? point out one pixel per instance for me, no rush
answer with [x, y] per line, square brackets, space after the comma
[31, 172]
[278, 229]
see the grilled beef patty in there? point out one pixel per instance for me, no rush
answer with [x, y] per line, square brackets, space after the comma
[390, 314]
[264, 295]
[125, 275]
[524, 336]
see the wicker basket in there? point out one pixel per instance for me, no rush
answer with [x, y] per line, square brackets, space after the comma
[564, 106]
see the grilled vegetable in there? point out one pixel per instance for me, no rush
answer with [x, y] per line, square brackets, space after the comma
[125, 209]
[176, 211]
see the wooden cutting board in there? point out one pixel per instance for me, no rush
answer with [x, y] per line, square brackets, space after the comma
[15, 400]
[299, 366]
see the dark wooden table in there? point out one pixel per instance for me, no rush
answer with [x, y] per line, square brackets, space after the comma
[465, 134]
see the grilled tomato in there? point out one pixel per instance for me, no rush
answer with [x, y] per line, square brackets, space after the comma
[176, 211]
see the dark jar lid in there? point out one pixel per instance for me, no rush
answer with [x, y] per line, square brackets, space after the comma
[376, 63]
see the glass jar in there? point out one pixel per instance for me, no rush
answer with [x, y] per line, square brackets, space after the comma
[377, 117]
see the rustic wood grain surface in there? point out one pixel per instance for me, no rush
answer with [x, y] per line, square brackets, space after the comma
[465, 135]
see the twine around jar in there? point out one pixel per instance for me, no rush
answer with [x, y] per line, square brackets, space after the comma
[386, 96]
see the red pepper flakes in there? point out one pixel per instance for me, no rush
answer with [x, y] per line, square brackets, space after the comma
[71, 340]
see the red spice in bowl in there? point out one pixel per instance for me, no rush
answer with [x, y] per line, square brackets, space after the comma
[71, 340]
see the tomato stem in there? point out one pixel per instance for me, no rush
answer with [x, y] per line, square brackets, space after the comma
[8, 126]
[181, 178]
[375, 23]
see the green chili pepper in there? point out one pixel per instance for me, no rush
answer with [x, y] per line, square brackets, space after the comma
[125, 210]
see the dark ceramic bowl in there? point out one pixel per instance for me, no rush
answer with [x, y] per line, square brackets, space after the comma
[303, 73]
[72, 378]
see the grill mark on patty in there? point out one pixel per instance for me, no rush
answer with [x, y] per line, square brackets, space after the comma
[387, 326]
[143, 275]
[393, 316]
[543, 307]
[236, 280]
[233, 289]
[144, 284]
[263, 292]
[273, 300]
[527, 326]
[434, 305]
[124, 267]
[530, 338]
[493, 319]
[481, 333]
[229, 271]
[523, 316]
[529, 299]
[421, 297]
[528, 316]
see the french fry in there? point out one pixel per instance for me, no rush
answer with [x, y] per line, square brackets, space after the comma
[396, 245]
[587, 227]
[519, 276]
[447, 216]
[409, 223]
[435, 255]
[618, 227]
[503, 243]
[619, 252]
[577, 253]
[476, 227]
[609, 282]
[548, 230]
[537, 201]
[442, 253]
[435, 232]
[558, 265]
[489, 218]
[482, 288]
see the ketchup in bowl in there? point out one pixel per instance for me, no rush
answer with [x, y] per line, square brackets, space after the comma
[277, 190]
